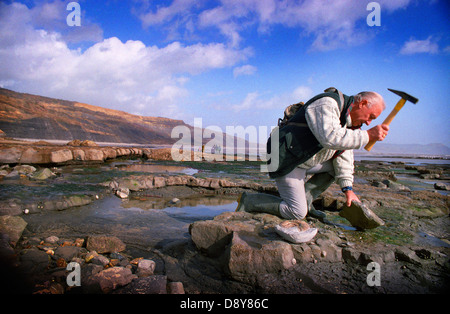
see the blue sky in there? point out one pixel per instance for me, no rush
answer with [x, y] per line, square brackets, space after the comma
[232, 62]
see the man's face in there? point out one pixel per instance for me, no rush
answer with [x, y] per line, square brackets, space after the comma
[361, 114]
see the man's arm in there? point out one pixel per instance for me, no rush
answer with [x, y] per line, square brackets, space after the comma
[344, 168]
[323, 117]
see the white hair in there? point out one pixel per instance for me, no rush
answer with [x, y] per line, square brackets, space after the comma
[371, 98]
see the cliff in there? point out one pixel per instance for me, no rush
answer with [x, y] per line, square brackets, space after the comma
[31, 116]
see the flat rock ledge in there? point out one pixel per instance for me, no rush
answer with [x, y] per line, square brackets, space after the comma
[145, 182]
[248, 250]
[247, 245]
[37, 154]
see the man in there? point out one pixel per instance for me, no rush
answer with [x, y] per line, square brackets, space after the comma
[319, 140]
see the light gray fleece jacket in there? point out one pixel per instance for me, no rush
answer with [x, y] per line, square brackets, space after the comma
[322, 117]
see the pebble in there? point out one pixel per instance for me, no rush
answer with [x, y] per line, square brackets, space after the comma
[109, 270]
[100, 260]
[174, 201]
[51, 239]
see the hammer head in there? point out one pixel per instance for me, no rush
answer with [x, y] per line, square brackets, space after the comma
[404, 95]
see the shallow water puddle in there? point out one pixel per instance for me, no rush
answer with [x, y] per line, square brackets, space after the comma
[133, 221]
[427, 239]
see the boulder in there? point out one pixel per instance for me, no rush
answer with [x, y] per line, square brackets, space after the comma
[175, 287]
[244, 244]
[42, 174]
[34, 156]
[94, 154]
[395, 186]
[25, 169]
[211, 236]
[123, 192]
[109, 279]
[78, 155]
[67, 252]
[156, 284]
[145, 268]
[360, 216]
[441, 186]
[13, 226]
[33, 261]
[10, 155]
[104, 244]
[250, 256]
[61, 156]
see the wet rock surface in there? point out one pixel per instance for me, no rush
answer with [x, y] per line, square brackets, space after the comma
[141, 243]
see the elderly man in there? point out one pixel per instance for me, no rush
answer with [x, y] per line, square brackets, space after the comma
[319, 141]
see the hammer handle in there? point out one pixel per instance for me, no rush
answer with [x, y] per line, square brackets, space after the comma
[388, 120]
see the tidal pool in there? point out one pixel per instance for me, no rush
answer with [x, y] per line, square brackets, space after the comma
[145, 223]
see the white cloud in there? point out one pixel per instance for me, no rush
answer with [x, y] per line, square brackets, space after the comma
[111, 73]
[332, 24]
[420, 46]
[244, 70]
[255, 100]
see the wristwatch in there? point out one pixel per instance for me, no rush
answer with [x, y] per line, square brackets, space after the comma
[347, 188]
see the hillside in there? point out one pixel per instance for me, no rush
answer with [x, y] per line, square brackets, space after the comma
[30, 116]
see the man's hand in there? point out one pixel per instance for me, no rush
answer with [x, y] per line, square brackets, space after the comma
[378, 133]
[351, 196]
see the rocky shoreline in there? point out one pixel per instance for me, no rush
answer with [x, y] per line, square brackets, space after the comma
[229, 253]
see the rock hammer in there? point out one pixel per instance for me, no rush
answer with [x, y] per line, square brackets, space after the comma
[394, 112]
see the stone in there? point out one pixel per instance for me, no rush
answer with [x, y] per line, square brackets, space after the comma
[395, 186]
[67, 252]
[25, 169]
[88, 143]
[406, 255]
[441, 186]
[250, 256]
[42, 174]
[302, 253]
[78, 155]
[78, 200]
[100, 260]
[350, 255]
[145, 268]
[130, 184]
[175, 288]
[211, 236]
[159, 182]
[10, 155]
[123, 192]
[33, 156]
[13, 226]
[33, 261]
[51, 239]
[61, 156]
[109, 279]
[104, 244]
[11, 207]
[93, 154]
[329, 251]
[156, 284]
[174, 201]
[360, 216]
[89, 256]
[6, 251]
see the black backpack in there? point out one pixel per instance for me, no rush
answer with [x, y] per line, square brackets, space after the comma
[291, 110]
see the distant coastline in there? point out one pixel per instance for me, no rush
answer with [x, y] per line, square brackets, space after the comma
[360, 155]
